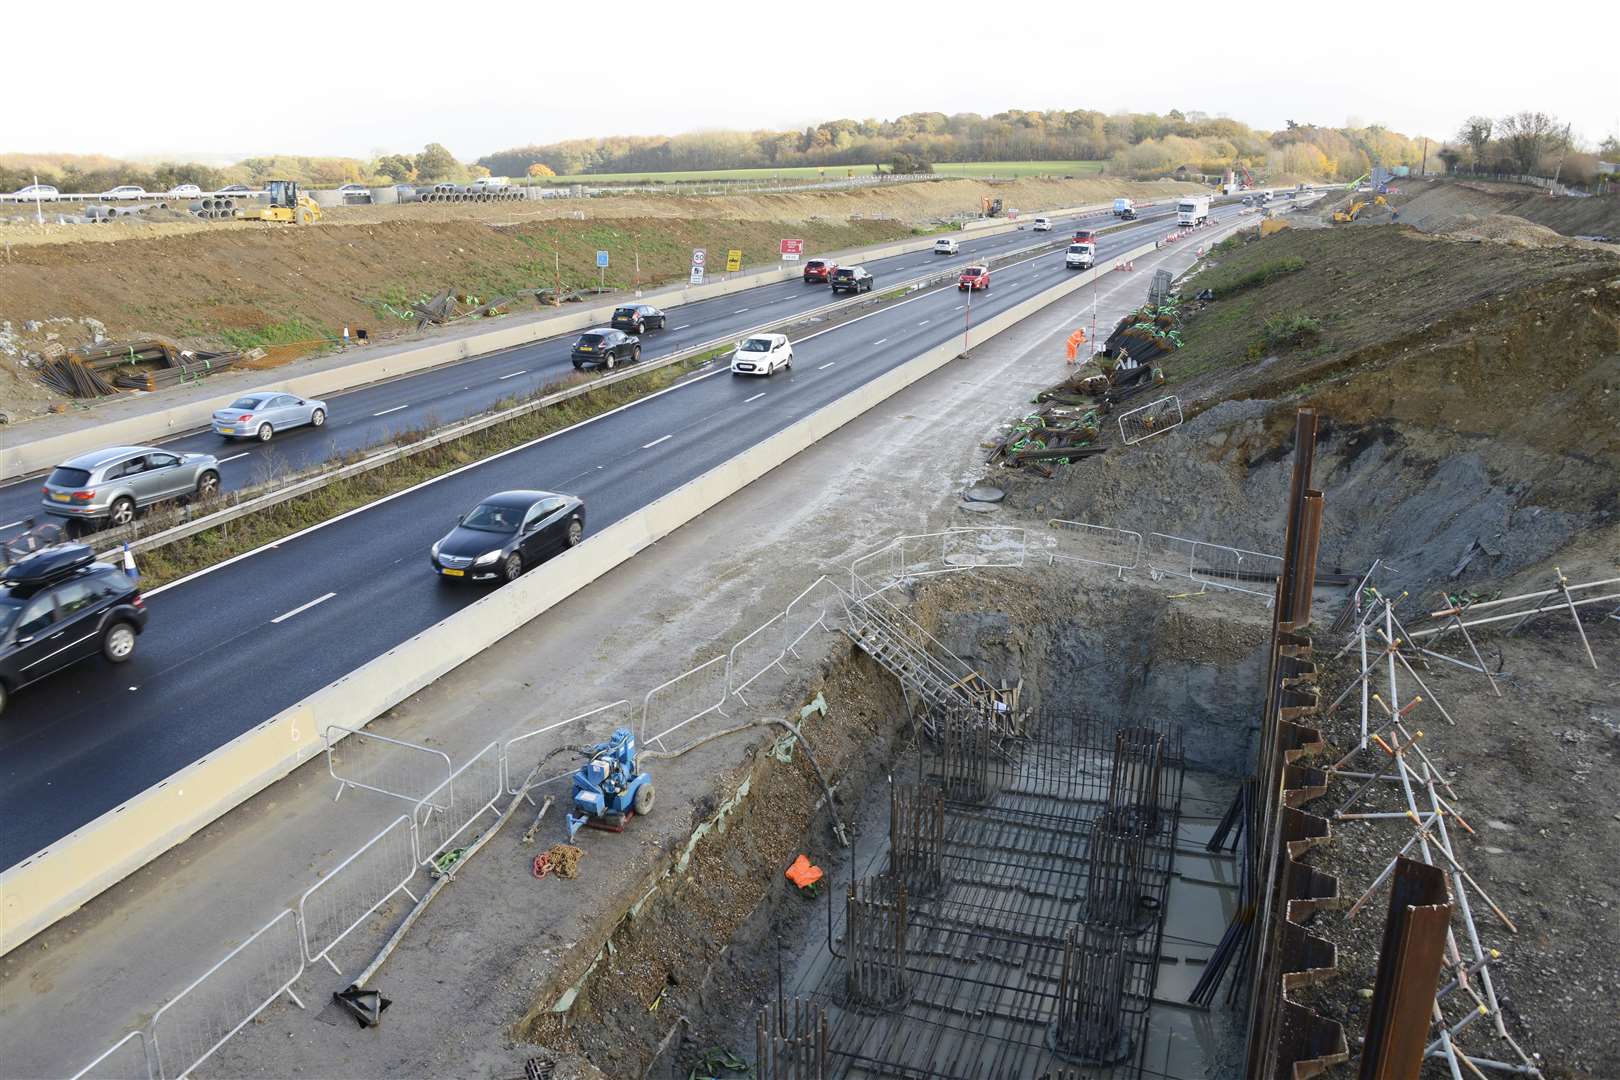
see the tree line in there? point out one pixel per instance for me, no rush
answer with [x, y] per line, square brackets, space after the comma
[1525, 143]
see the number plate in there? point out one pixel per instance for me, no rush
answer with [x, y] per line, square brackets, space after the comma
[59, 497]
[447, 572]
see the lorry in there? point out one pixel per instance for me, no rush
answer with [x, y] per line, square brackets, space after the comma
[1192, 210]
[1080, 256]
[1124, 208]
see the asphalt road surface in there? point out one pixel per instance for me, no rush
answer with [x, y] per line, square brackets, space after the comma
[232, 646]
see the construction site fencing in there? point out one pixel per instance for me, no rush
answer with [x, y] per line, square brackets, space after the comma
[586, 729]
[392, 767]
[822, 606]
[755, 654]
[1154, 418]
[1217, 565]
[227, 997]
[926, 554]
[1097, 545]
[124, 1060]
[338, 903]
[671, 706]
[448, 812]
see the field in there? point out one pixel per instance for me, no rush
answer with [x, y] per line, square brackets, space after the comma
[835, 172]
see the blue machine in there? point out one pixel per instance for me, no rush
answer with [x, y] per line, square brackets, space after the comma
[608, 791]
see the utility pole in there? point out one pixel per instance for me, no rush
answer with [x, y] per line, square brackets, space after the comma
[1423, 166]
[39, 211]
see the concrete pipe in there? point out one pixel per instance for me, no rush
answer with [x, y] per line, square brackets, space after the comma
[325, 197]
[384, 196]
[199, 204]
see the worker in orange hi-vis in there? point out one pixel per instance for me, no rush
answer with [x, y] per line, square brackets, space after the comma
[1076, 339]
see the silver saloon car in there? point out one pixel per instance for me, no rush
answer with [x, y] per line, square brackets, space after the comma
[262, 413]
[107, 487]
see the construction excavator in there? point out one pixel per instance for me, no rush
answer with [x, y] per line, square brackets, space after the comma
[1343, 217]
[287, 204]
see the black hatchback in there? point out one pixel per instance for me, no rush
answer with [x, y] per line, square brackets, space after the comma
[605, 347]
[638, 318]
[508, 533]
[59, 606]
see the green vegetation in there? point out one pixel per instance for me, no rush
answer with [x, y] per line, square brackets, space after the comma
[1225, 282]
[812, 173]
[287, 332]
[1291, 330]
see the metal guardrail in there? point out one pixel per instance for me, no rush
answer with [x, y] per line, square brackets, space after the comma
[408, 774]
[336, 905]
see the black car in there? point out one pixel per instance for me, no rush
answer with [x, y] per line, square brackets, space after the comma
[59, 606]
[605, 347]
[508, 533]
[638, 318]
[855, 279]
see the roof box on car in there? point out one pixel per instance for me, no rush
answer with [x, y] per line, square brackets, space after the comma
[48, 565]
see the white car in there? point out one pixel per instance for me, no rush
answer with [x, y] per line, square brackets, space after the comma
[945, 245]
[1042, 225]
[186, 191]
[762, 354]
[124, 191]
[42, 192]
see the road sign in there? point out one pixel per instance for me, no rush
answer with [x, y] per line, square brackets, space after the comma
[699, 257]
[792, 249]
[601, 260]
[733, 260]
[697, 275]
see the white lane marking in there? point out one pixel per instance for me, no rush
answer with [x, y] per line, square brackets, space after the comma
[683, 326]
[879, 341]
[959, 307]
[514, 374]
[303, 608]
[9, 524]
[756, 397]
[925, 322]
[739, 311]
[824, 367]
[1008, 284]
[222, 461]
[396, 408]
[655, 442]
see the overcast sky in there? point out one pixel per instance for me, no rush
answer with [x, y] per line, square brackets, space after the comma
[343, 78]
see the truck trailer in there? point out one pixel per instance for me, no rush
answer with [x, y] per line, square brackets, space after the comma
[1192, 210]
[1124, 208]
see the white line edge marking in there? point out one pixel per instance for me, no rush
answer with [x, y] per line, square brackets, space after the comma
[756, 397]
[739, 311]
[879, 341]
[301, 608]
[385, 412]
[825, 366]
[514, 374]
[655, 442]
[515, 449]
[925, 322]
[9, 524]
[222, 461]
[683, 326]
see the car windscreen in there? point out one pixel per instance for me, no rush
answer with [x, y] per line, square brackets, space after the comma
[625, 313]
[62, 476]
[589, 339]
[845, 274]
[757, 344]
[1077, 249]
[493, 517]
[815, 264]
[249, 403]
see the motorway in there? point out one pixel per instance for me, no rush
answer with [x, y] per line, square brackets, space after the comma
[233, 645]
[376, 414]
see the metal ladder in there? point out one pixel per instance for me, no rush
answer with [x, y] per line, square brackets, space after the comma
[923, 675]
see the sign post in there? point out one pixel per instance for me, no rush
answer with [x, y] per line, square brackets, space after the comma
[733, 260]
[601, 271]
[700, 258]
[791, 250]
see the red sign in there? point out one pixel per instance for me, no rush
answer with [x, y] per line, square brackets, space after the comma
[792, 249]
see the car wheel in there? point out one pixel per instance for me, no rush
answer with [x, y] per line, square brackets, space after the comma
[118, 643]
[789, 364]
[265, 431]
[644, 799]
[123, 511]
[317, 418]
[207, 485]
[608, 361]
[576, 533]
[512, 566]
[578, 366]
[635, 353]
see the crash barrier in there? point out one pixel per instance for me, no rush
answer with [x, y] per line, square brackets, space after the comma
[1098, 545]
[125, 1059]
[590, 728]
[338, 903]
[1154, 418]
[927, 554]
[393, 767]
[1230, 568]
[672, 705]
[227, 997]
[449, 811]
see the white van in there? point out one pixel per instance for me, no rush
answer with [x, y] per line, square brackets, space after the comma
[947, 245]
[1042, 225]
[1080, 257]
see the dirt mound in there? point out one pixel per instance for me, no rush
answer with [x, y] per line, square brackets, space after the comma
[1447, 205]
[1509, 230]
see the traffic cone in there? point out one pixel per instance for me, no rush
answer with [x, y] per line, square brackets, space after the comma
[129, 564]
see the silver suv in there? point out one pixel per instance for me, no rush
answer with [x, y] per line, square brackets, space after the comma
[107, 487]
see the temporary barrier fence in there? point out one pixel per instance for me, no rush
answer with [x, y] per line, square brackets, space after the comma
[338, 903]
[446, 813]
[1098, 545]
[124, 1060]
[672, 705]
[227, 997]
[822, 606]
[755, 653]
[393, 767]
[1154, 418]
[1217, 565]
[944, 552]
[589, 728]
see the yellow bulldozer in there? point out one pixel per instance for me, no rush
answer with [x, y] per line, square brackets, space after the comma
[287, 204]
[1342, 217]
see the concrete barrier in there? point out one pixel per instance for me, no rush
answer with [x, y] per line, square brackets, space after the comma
[24, 458]
[55, 882]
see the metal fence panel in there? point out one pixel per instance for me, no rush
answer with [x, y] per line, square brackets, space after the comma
[944, 552]
[671, 706]
[1229, 568]
[1099, 545]
[588, 728]
[361, 884]
[756, 653]
[227, 996]
[1154, 418]
[393, 767]
[449, 811]
[124, 1060]
[822, 606]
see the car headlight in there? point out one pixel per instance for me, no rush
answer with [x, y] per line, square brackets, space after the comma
[435, 549]
[488, 557]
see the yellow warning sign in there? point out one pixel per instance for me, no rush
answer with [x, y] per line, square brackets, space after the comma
[733, 261]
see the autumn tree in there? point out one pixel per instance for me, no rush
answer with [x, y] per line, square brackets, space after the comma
[435, 163]
[1527, 137]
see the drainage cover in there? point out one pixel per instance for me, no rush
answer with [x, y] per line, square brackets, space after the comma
[984, 494]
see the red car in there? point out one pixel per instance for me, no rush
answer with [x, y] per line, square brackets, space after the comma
[819, 270]
[974, 277]
[1084, 236]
